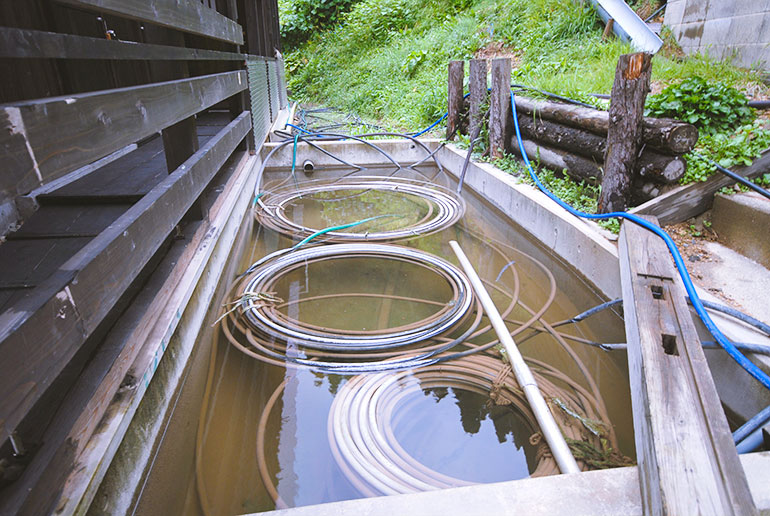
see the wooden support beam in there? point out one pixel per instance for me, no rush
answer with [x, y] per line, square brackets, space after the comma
[500, 117]
[624, 135]
[687, 460]
[478, 94]
[454, 97]
[36, 44]
[70, 305]
[691, 200]
[183, 15]
[41, 140]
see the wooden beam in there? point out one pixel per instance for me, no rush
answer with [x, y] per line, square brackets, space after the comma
[691, 200]
[36, 44]
[687, 460]
[477, 85]
[70, 305]
[500, 117]
[454, 97]
[624, 135]
[168, 292]
[184, 15]
[41, 140]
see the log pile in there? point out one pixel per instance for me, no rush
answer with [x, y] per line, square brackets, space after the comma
[573, 139]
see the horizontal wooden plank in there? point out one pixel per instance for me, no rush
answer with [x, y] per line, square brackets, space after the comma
[184, 15]
[41, 140]
[72, 303]
[691, 200]
[687, 461]
[67, 221]
[69, 449]
[36, 44]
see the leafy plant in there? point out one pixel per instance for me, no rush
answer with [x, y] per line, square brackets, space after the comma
[579, 195]
[712, 107]
[412, 61]
[301, 18]
[738, 148]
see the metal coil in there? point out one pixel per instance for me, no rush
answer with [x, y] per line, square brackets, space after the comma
[443, 207]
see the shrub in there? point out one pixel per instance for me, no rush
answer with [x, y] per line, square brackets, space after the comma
[712, 107]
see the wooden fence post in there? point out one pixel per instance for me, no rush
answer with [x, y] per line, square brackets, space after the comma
[478, 91]
[500, 117]
[624, 135]
[454, 97]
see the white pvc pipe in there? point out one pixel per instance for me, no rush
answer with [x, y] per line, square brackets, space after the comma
[628, 26]
[548, 426]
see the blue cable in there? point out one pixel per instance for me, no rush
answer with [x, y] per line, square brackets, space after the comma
[752, 424]
[434, 124]
[728, 346]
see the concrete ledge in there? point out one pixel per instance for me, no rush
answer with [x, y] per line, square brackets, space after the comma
[613, 492]
[402, 151]
[582, 244]
[742, 222]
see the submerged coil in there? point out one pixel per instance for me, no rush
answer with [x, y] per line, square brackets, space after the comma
[361, 420]
[260, 325]
[436, 208]
[365, 411]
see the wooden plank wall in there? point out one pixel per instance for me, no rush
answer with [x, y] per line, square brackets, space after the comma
[83, 79]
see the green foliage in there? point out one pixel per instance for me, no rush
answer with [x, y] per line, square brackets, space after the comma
[712, 107]
[738, 148]
[412, 60]
[387, 60]
[301, 18]
[579, 195]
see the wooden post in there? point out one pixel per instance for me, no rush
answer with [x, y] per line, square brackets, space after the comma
[608, 29]
[624, 134]
[687, 460]
[500, 117]
[478, 91]
[454, 97]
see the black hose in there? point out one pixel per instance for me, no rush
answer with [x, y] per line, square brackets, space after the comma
[742, 180]
[732, 312]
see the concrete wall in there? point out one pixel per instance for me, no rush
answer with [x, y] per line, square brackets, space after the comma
[725, 29]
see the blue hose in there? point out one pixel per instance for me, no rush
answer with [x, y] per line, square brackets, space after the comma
[751, 425]
[434, 124]
[728, 346]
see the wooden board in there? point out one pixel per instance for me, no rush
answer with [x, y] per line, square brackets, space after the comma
[75, 299]
[687, 460]
[41, 140]
[36, 44]
[68, 221]
[128, 177]
[67, 437]
[691, 200]
[29, 262]
[184, 15]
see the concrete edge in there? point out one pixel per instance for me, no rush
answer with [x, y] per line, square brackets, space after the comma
[611, 492]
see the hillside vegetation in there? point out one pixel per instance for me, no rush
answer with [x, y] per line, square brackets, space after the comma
[386, 60]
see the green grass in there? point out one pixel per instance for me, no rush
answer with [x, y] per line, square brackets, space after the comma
[386, 60]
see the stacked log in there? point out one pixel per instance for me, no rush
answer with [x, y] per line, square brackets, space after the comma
[573, 139]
